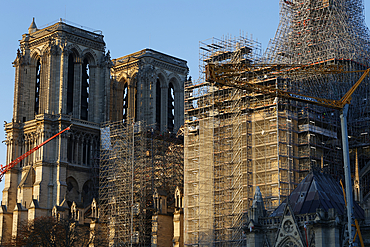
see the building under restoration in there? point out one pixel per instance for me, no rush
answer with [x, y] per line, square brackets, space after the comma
[140, 169]
[141, 156]
[64, 77]
[237, 140]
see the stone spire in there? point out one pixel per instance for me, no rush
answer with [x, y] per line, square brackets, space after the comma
[257, 200]
[258, 209]
[33, 27]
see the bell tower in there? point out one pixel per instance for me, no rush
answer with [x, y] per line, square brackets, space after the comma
[62, 77]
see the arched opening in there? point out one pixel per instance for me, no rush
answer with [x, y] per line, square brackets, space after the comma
[289, 242]
[86, 152]
[73, 193]
[171, 107]
[37, 87]
[134, 100]
[85, 90]
[158, 106]
[70, 83]
[87, 193]
[70, 149]
[136, 116]
[124, 102]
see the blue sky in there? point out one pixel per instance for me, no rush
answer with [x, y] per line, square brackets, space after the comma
[169, 26]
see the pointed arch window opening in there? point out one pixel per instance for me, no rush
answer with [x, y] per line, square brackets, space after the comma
[124, 103]
[37, 87]
[171, 107]
[70, 148]
[70, 83]
[136, 105]
[21, 162]
[85, 90]
[158, 104]
[88, 158]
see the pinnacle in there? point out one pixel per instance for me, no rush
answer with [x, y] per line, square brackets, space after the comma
[33, 26]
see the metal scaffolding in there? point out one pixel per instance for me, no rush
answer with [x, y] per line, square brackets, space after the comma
[236, 141]
[134, 161]
[217, 166]
[328, 32]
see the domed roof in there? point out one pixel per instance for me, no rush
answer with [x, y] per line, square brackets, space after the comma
[317, 190]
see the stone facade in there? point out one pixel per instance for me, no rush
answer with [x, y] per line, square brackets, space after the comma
[63, 77]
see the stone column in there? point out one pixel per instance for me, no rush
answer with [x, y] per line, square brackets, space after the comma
[61, 175]
[19, 215]
[6, 221]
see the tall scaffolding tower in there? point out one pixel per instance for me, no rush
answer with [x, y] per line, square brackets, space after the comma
[328, 32]
[217, 166]
[134, 161]
[236, 141]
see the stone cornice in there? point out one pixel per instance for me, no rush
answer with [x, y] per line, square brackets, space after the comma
[80, 168]
[148, 56]
[170, 67]
[100, 46]
[155, 62]
[51, 119]
[63, 27]
[120, 67]
[63, 35]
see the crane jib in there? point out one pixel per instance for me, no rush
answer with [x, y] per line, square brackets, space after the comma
[303, 97]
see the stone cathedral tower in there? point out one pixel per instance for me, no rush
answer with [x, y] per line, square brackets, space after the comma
[149, 86]
[62, 77]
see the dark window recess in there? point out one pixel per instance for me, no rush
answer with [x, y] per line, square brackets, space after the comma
[84, 152]
[37, 87]
[158, 104]
[70, 150]
[171, 107]
[88, 154]
[85, 90]
[21, 162]
[70, 84]
[136, 105]
[125, 102]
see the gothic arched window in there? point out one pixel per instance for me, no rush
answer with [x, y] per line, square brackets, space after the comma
[85, 90]
[158, 104]
[70, 149]
[37, 87]
[70, 83]
[135, 99]
[136, 105]
[124, 102]
[171, 107]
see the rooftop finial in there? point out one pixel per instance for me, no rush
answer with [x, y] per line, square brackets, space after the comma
[33, 27]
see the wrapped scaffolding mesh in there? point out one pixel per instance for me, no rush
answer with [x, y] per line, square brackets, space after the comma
[134, 161]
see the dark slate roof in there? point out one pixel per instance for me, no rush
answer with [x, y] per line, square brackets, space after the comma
[317, 190]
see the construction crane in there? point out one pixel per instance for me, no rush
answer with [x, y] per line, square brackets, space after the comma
[250, 72]
[225, 74]
[6, 168]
